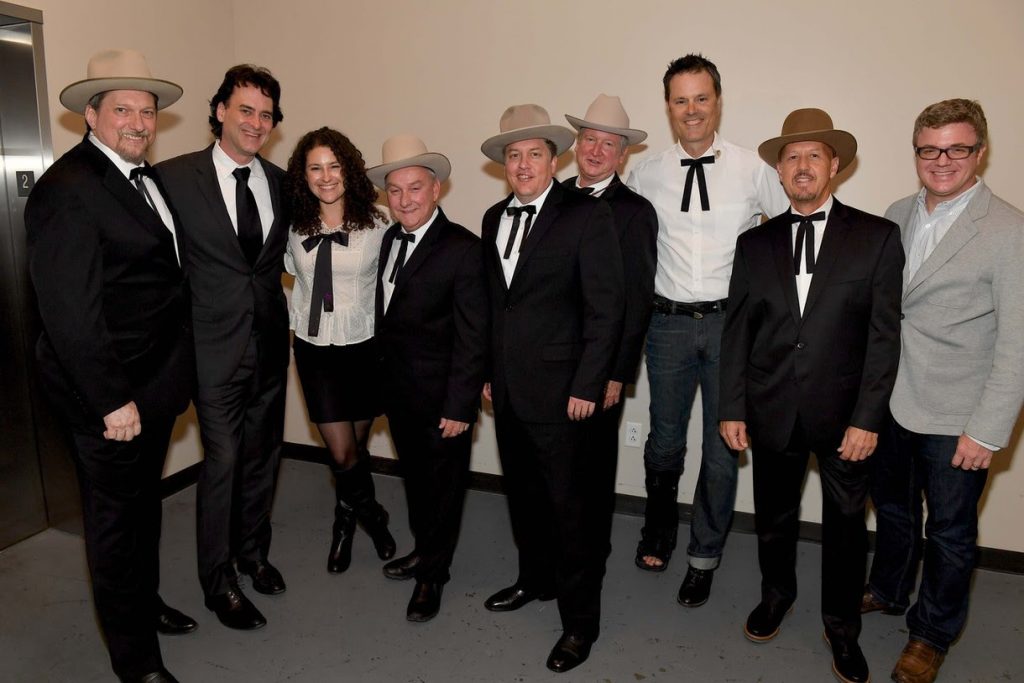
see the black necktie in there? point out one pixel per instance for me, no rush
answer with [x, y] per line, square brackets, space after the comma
[805, 241]
[516, 212]
[250, 231]
[406, 238]
[323, 276]
[136, 175]
[696, 167]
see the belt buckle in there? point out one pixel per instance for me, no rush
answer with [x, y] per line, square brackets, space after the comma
[697, 315]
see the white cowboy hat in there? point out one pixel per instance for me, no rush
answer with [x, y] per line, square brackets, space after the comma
[118, 70]
[525, 122]
[404, 150]
[606, 113]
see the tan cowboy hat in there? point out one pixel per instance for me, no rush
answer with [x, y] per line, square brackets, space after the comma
[805, 125]
[118, 70]
[607, 113]
[525, 122]
[404, 150]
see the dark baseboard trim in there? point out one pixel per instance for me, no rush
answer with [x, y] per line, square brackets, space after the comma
[993, 559]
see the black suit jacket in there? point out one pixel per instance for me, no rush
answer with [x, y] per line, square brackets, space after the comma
[230, 298]
[835, 365]
[433, 339]
[636, 223]
[555, 331]
[113, 299]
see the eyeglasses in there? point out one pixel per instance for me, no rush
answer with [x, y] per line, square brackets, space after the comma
[952, 153]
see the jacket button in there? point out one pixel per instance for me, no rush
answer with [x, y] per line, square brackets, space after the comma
[800, 345]
[509, 307]
[903, 316]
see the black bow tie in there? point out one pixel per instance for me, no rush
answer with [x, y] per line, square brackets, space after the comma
[585, 190]
[696, 167]
[406, 238]
[136, 175]
[805, 240]
[516, 212]
[323, 278]
[144, 170]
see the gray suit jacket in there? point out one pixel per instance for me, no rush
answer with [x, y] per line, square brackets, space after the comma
[962, 363]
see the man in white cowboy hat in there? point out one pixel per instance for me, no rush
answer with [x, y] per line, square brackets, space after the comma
[229, 202]
[431, 332]
[958, 390]
[116, 354]
[706, 191]
[554, 274]
[603, 137]
[809, 355]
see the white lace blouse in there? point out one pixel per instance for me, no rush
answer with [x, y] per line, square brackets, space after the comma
[355, 285]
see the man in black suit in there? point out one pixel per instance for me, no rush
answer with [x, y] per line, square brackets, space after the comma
[431, 331]
[554, 275]
[603, 138]
[229, 202]
[809, 355]
[116, 354]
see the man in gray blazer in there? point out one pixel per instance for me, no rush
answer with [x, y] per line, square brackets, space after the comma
[960, 382]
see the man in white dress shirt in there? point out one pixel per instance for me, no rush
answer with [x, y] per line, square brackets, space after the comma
[706, 192]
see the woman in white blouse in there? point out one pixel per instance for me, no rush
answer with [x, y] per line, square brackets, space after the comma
[333, 248]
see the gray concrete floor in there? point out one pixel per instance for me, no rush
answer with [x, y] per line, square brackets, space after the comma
[352, 627]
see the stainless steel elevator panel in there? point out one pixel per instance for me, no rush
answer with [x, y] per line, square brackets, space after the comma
[34, 463]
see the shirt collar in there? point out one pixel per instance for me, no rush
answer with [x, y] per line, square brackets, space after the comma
[123, 166]
[826, 207]
[953, 204]
[422, 230]
[714, 150]
[599, 187]
[226, 165]
[538, 202]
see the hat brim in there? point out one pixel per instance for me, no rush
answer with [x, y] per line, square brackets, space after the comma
[78, 94]
[844, 144]
[437, 163]
[494, 147]
[633, 136]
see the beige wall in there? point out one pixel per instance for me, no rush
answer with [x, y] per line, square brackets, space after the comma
[447, 69]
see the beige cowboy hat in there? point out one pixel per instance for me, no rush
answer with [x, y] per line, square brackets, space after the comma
[118, 70]
[525, 122]
[404, 150]
[606, 113]
[814, 125]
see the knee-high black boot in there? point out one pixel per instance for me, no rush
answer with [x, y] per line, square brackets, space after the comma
[371, 514]
[340, 556]
[661, 519]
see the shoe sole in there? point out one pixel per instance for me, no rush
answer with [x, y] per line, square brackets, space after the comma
[656, 568]
[835, 671]
[393, 577]
[764, 639]
[420, 618]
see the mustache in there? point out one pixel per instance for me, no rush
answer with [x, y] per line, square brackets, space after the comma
[140, 133]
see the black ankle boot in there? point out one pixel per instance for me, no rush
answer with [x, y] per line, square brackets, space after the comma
[661, 519]
[371, 514]
[340, 556]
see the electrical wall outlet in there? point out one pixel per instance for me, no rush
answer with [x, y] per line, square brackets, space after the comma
[632, 437]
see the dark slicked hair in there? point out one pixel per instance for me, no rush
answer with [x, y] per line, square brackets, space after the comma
[239, 77]
[360, 194]
[693, 64]
[953, 111]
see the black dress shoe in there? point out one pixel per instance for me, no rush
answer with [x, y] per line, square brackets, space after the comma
[848, 663]
[171, 622]
[512, 598]
[265, 577]
[425, 602]
[402, 568]
[763, 623]
[161, 676]
[696, 587]
[571, 650]
[235, 611]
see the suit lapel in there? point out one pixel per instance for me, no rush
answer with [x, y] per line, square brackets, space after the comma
[490, 239]
[836, 230]
[959, 234]
[275, 202]
[209, 188]
[422, 251]
[782, 248]
[382, 264]
[540, 226]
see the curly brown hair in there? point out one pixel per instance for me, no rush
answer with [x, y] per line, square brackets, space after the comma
[360, 194]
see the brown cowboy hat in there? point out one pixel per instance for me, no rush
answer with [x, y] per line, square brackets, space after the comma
[404, 150]
[805, 125]
[525, 122]
[606, 113]
[117, 69]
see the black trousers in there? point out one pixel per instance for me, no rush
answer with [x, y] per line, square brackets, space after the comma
[601, 449]
[241, 425]
[436, 471]
[122, 538]
[545, 476]
[778, 486]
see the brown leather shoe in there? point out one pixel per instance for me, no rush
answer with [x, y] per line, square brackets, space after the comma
[869, 602]
[919, 663]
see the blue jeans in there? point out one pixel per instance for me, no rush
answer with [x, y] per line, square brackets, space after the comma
[908, 465]
[682, 354]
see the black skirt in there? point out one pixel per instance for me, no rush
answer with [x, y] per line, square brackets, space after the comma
[339, 383]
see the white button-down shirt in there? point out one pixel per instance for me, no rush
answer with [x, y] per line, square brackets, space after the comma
[696, 247]
[396, 245]
[927, 230]
[803, 279]
[225, 167]
[508, 265]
